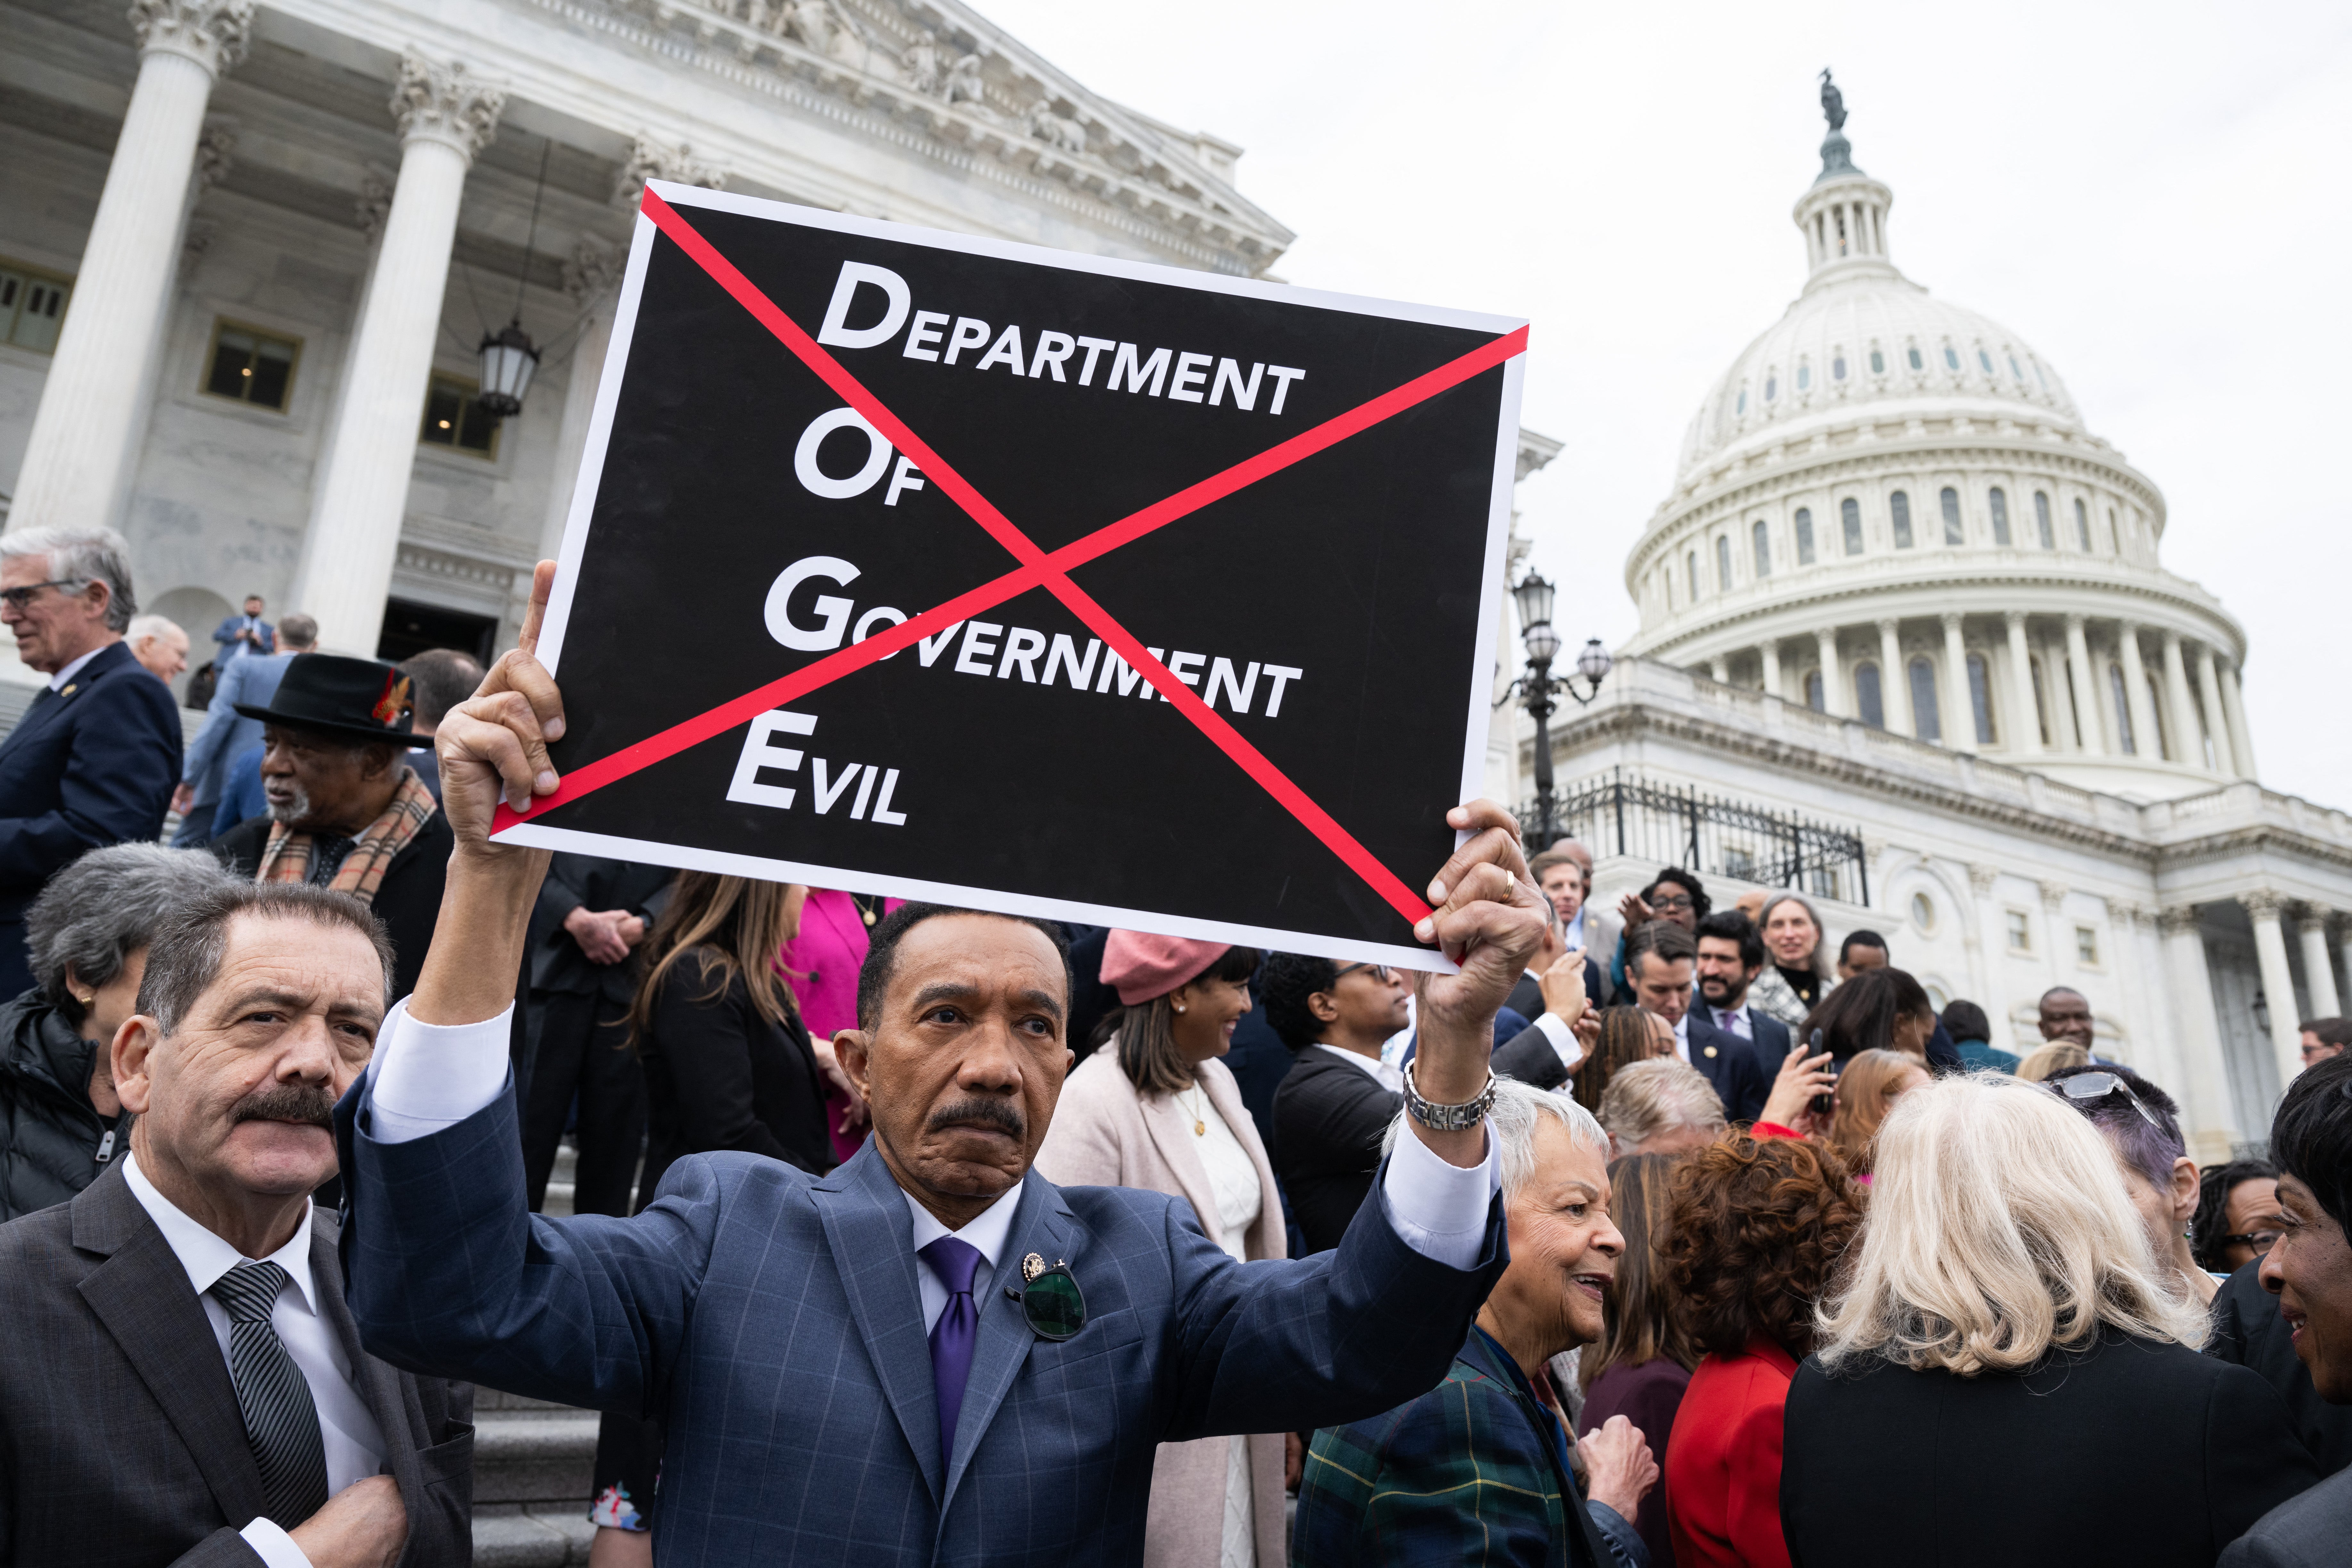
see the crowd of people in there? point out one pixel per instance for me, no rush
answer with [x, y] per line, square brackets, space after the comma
[1673, 1235]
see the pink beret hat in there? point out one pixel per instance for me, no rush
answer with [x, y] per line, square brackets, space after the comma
[1140, 967]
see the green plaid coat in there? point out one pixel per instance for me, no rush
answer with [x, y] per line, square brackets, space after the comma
[1466, 1476]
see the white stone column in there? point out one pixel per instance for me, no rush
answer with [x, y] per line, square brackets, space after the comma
[2278, 981]
[1771, 653]
[446, 116]
[2024, 712]
[1894, 681]
[2186, 748]
[2318, 966]
[1833, 700]
[1719, 668]
[78, 458]
[2217, 729]
[1960, 708]
[2344, 936]
[2204, 1091]
[2085, 687]
[2233, 711]
[2146, 733]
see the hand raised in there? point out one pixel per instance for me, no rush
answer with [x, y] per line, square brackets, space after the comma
[1563, 987]
[1489, 920]
[1618, 1460]
[494, 742]
[1800, 1078]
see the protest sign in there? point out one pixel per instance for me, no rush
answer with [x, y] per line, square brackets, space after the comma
[922, 564]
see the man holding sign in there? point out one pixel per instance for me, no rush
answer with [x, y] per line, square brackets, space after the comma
[932, 1355]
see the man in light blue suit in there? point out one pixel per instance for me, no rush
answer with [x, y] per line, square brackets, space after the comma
[877, 1366]
[226, 734]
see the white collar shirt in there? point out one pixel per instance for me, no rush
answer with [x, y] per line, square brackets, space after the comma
[1682, 1036]
[354, 1442]
[1389, 1078]
[1574, 930]
[987, 1235]
[71, 668]
[1733, 1020]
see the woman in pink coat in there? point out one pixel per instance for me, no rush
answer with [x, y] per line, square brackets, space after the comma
[821, 965]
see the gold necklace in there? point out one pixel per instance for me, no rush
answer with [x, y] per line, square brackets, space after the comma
[1200, 1116]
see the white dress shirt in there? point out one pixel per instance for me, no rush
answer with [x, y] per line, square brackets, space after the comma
[353, 1441]
[71, 668]
[985, 1235]
[1682, 1036]
[432, 1076]
[1732, 1020]
[1388, 1077]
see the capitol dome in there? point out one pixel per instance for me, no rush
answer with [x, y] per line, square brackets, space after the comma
[1889, 509]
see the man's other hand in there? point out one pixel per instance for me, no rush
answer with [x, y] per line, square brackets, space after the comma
[1618, 1459]
[1563, 986]
[363, 1526]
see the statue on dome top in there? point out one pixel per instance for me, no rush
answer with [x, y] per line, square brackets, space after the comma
[1832, 103]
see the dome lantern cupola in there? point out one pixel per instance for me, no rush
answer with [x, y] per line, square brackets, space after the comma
[1843, 216]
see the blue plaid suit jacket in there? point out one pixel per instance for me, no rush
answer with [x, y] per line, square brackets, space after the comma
[772, 1318]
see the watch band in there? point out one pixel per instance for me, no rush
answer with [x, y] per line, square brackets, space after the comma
[1448, 1118]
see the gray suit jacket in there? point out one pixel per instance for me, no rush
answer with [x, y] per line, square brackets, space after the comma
[2306, 1531]
[228, 734]
[120, 1444]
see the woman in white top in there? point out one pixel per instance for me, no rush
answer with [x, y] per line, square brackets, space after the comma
[1155, 1109]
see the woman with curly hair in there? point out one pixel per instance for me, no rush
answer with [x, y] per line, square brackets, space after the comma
[1758, 1227]
[2004, 1299]
[1628, 1035]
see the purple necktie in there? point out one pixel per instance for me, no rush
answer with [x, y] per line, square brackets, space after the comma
[953, 1262]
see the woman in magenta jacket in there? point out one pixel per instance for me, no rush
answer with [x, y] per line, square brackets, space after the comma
[821, 965]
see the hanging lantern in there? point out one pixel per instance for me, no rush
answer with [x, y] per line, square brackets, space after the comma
[508, 358]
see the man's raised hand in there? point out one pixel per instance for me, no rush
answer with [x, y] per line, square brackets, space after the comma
[494, 742]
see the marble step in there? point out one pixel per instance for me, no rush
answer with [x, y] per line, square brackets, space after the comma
[533, 1464]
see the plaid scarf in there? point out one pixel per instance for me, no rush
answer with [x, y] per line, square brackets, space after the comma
[288, 856]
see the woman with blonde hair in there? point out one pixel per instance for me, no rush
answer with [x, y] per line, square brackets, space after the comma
[1628, 1035]
[1866, 1091]
[2002, 1297]
[2055, 1057]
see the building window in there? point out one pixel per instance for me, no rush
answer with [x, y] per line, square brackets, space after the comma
[1804, 536]
[251, 365]
[1923, 912]
[1771, 387]
[1815, 698]
[1952, 357]
[1926, 719]
[2041, 701]
[1722, 564]
[2037, 373]
[1742, 406]
[2021, 931]
[1867, 696]
[1850, 522]
[1837, 367]
[2086, 946]
[1980, 698]
[2115, 689]
[2082, 526]
[1953, 532]
[2000, 498]
[1899, 506]
[1985, 360]
[1805, 376]
[32, 306]
[1877, 363]
[2015, 372]
[2041, 521]
[1916, 363]
[454, 417]
[1763, 549]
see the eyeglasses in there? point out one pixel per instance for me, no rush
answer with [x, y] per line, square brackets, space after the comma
[2261, 1241]
[1672, 901]
[1381, 972]
[2090, 1088]
[18, 599]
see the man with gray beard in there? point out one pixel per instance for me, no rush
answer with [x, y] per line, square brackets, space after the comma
[346, 811]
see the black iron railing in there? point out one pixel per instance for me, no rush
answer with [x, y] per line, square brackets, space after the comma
[1621, 813]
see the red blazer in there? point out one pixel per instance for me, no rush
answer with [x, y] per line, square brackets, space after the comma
[1722, 1463]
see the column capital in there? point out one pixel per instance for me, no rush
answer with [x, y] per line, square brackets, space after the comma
[438, 102]
[373, 204]
[2053, 894]
[214, 34]
[594, 271]
[1887, 625]
[2015, 619]
[2263, 903]
[2177, 920]
[2313, 917]
[1981, 877]
[2075, 620]
[1951, 620]
[652, 160]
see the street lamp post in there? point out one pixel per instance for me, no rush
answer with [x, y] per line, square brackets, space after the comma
[1536, 687]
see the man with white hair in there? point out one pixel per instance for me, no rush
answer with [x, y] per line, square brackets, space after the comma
[160, 647]
[92, 761]
[1663, 1106]
[1477, 1471]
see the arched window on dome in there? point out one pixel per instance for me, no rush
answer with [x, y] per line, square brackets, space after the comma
[2037, 373]
[1916, 363]
[1952, 357]
[2164, 748]
[1954, 532]
[1867, 700]
[2082, 526]
[1984, 359]
[2041, 521]
[2015, 371]
[1804, 536]
[1899, 506]
[2041, 699]
[2115, 689]
[1804, 375]
[1771, 387]
[2000, 499]
[1850, 524]
[1743, 401]
[1926, 718]
[1763, 537]
[1837, 368]
[1980, 698]
[1815, 699]
[1722, 564]
[1878, 361]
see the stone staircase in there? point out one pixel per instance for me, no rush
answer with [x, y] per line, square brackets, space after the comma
[533, 1461]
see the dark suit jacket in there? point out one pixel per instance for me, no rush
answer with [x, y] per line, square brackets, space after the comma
[2143, 1452]
[2308, 1532]
[121, 1443]
[408, 900]
[1731, 1064]
[557, 963]
[1526, 998]
[774, 1320]
[1328, 1116]
[720, 1075]
[2248, 1329]
[1772, 1038]
[86, 767]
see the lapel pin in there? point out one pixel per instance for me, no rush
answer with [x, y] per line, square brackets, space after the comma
[1032, 1266]
[70, 689]
[1710, 1050]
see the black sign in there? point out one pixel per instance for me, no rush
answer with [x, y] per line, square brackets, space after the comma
[914, 563]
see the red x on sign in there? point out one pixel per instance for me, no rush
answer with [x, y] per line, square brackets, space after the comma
[929, 337]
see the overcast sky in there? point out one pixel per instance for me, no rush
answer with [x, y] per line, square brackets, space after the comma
[2156, 197]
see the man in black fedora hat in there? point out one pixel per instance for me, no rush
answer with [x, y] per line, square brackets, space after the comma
[346, 811]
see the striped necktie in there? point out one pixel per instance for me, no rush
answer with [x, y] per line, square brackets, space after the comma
[281, 1423]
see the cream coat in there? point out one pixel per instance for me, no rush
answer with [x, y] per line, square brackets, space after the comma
[1104, 1134]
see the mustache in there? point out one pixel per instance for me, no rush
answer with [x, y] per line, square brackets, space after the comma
[999, 1114]
[307, 1103]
